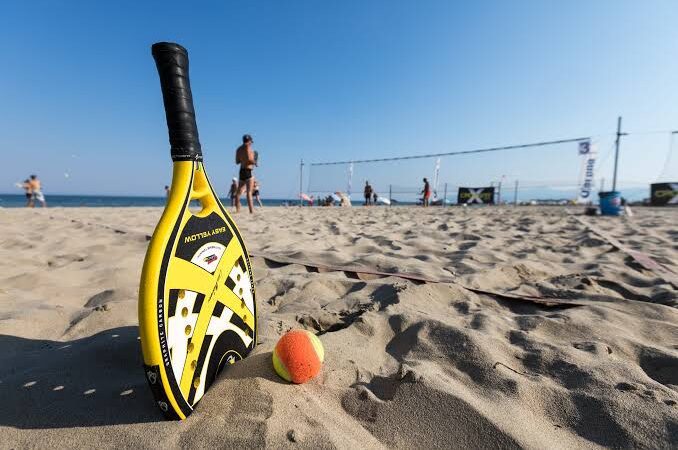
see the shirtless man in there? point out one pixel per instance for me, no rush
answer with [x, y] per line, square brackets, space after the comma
[26, 186]
[426, 192]
[256, 196]
[233, 191]
[36, 189]
[244, 156]
[368, 193]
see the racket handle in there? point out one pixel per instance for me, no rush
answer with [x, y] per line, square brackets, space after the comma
[172, 63]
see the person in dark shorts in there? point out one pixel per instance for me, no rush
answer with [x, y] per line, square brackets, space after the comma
[368, 193]
[244, 155]
[426, 192]
[233, 191]
[255, 194]
[26, 186]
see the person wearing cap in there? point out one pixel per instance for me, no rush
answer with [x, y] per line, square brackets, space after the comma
[233, 192]
[245, 156]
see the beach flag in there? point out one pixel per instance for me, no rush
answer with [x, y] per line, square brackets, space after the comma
[588, 154]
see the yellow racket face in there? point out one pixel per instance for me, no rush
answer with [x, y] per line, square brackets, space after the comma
[197, 309]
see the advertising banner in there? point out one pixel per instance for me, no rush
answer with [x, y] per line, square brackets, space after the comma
[481, 195]
[664, 194]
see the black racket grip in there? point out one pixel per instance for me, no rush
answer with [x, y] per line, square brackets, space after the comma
[172, 63]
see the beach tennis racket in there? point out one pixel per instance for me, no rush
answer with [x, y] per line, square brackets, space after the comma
[197, 310]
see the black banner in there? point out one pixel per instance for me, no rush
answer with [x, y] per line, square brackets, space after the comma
[479, 196]
[664, 194]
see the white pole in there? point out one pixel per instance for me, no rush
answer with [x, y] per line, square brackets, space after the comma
[435, 178]
[350, 179]
[301, 181]
[499, 190]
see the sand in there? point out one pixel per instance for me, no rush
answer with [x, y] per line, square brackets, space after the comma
[408, 365]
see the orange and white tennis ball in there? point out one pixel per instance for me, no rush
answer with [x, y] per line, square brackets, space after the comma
[298, 356]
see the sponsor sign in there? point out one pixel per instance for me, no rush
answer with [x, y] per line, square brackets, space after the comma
[481, 195]
[584, 147]
[664, 194]
[588, 161]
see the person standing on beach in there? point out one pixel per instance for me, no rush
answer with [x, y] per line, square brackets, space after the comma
[426, 192]
[368, 193]
[244, 155]
[36, 190]
[233, 191]
[167, 191]
[255, 194]
[26, 186]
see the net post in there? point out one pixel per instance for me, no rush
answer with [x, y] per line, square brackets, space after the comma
[390, 200]
[515, 194]
[349, 187]
[616, 153]
[444, 196]
[301, 182]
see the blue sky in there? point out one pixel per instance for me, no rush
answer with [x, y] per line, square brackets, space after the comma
[332, 80]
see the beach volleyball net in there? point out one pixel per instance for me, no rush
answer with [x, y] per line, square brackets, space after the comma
[549, 171]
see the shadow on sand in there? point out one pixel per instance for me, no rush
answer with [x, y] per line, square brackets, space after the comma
[94, 381]
[89, 382]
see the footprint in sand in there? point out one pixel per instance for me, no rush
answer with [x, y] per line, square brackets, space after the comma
[64, 260]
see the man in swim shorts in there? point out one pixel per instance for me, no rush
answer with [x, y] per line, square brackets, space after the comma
[26, 186]
[233, 191]
[244, 155]
[36, 189]
[368, 193]
[426, 192]
[255, 194]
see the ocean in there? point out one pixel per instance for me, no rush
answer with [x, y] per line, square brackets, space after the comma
[17, 201]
